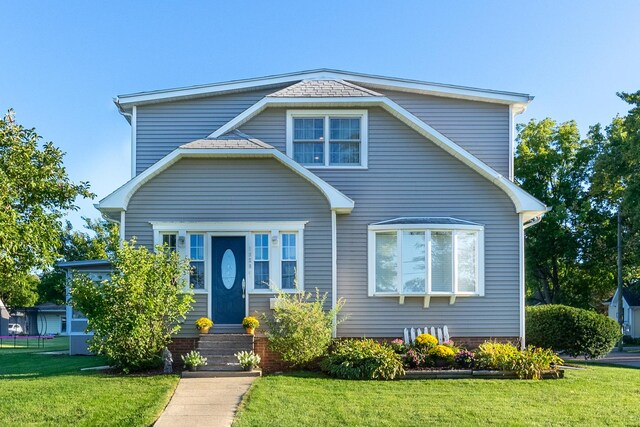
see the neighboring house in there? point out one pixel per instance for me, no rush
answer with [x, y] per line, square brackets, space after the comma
[396, 195]
[51, 319]
[4, 319]
[631, 308]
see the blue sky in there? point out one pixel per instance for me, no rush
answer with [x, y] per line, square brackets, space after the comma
[61, 63]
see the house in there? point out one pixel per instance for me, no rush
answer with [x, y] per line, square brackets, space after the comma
[51, 319]
[631, 308]
[396, 195]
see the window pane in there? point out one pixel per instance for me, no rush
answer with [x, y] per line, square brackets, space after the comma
[262, 247]
[196, 245]
[345, 128]
[170, 241]
[346, 153]
[309, 129]
[413, 261]
[196, 277]
[386, 262]
[308, 153]
[441, 261]
[289, 274]
[466, 252]
[289, 247]
[261, 275]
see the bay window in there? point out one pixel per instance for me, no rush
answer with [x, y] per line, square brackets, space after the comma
[426, 259]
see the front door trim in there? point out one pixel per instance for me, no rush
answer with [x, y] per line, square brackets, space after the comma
[209, 267]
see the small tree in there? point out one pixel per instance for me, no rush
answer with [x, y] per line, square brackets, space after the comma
[134, 314]
[300, 329]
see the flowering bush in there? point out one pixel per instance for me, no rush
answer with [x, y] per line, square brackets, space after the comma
[193, 358]
[204, 322]
[248, 359]
[464, 359]
[417, 358]
[528, 364]
[442, 351]
[398, 346]
[250, 322]
[426, 340]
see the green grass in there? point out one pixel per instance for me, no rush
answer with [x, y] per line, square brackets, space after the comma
[598, 395]
[46, 390]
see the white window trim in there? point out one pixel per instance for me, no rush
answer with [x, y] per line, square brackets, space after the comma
[427, 228]
[326, 114]
[203, 260]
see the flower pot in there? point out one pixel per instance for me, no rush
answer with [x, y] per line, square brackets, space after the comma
[248, 368]
[204, 330]
[250, 330]
[192, 368]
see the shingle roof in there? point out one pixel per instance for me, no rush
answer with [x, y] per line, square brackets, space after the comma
[233, 140]
[426, 220]
[323, 89]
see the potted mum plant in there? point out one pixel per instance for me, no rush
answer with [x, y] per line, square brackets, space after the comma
[248, 360]
[204, 324]
[193, 359]
[250, 324]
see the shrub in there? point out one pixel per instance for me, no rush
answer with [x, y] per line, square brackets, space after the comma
[574, 331]
[495, 355]
[204, 322]
[629, 340]
[398, 346]
[250, 322]
[193, 358]
[363, 359]
[134, 314]
[417, 357]
[426, 340]
[300, 329]
[527, 364]
[464, 359]
[248, 359]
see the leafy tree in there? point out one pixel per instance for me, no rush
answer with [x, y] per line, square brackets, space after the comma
[100, 240]
[554, 164]
[35, 193]
[134, 314]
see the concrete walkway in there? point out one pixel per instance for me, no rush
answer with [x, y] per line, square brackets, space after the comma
[208, 402]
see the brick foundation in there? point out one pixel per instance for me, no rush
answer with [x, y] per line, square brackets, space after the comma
[270, 362]
[181, 346]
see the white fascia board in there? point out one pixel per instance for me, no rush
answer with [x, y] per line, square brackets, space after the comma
[524, 203]
[454, 91]
[119, 199]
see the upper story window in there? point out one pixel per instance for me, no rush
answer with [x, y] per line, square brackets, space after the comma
[426, 259]
[328, 138]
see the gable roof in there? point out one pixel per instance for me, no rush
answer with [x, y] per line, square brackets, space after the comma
[631, 295]
[231, 141]
[127, 101]
[524, 202]
[119, 199]
[323, 89]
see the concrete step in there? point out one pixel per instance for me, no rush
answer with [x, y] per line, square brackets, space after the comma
[220, 374]
[225, 352]
[217, 358]
[226, 338]
[221, 367]
[209, 345]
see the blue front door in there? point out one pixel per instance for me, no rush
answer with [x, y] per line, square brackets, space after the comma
[228, 275]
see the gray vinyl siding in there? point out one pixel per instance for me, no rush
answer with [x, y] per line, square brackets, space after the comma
[237, 190]
[160, 128]
[481, 128]
[198, 310]
[410, 176]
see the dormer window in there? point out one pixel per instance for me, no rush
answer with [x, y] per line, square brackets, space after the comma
[327, 138]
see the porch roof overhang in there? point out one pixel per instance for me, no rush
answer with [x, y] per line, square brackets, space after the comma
[525, 204]
[119, 199]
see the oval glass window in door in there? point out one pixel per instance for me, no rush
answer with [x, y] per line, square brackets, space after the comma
[228, 269]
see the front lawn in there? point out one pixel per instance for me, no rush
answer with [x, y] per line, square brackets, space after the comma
[48, 390]
[596, 396]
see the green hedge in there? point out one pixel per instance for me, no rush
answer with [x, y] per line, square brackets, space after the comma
[575, 331]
